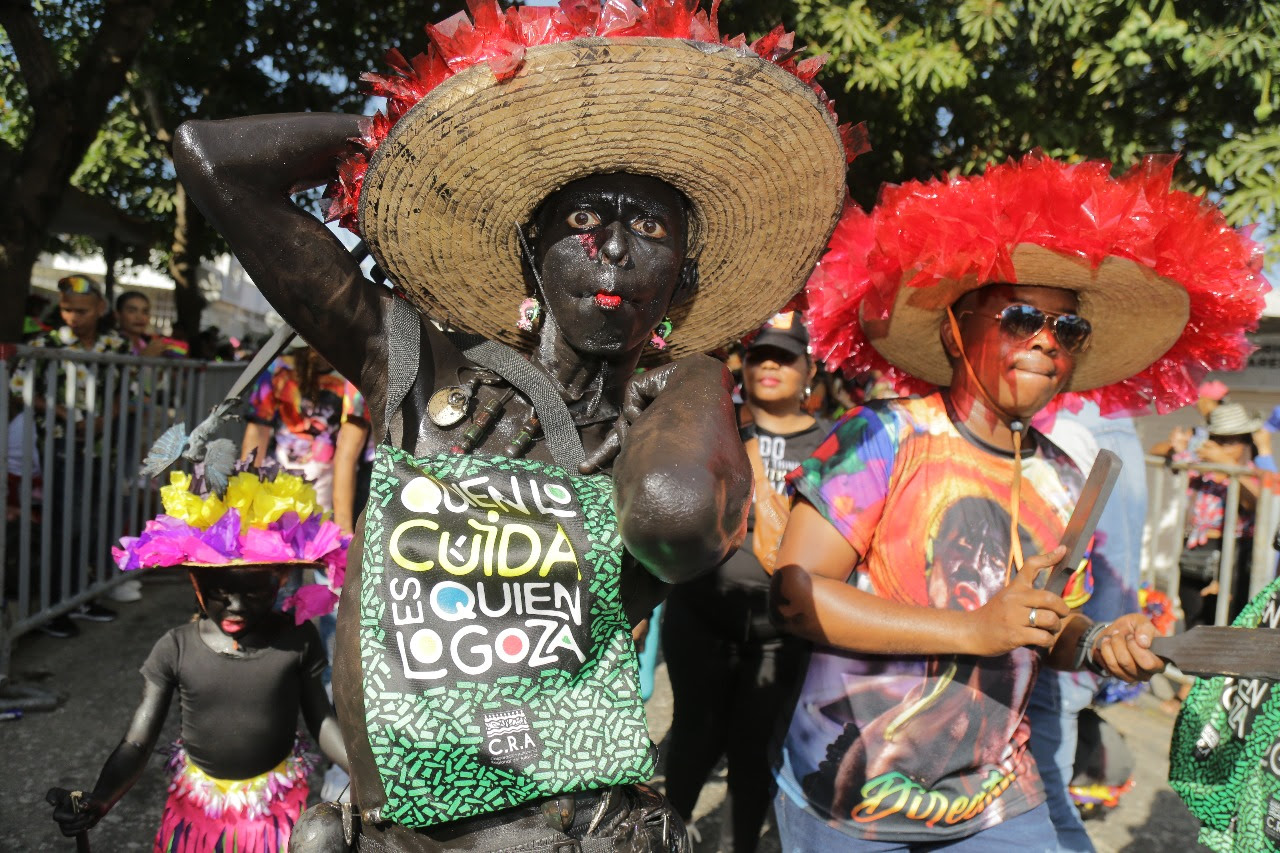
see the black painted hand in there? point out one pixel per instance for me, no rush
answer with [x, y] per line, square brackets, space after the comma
[74, 812]
[641, 390]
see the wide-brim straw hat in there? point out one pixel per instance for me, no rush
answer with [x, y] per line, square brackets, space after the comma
[751, 146]
[1136, 316]
[1233, 419]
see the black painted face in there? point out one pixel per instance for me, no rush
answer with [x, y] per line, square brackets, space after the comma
[237, 600]
[611, 251]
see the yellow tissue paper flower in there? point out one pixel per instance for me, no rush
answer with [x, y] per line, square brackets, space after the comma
[267, 508]
[259, 503]
[211, 509]
[297, 494]
[285, 485]
[178, 500]
[180, 503]
[241, 491]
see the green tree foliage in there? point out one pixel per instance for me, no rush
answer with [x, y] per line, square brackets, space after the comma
[208, 59]
[943, 85]
[956, 84]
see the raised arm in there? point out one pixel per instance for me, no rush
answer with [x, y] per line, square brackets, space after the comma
[123, 767]
[241, 174]
[682, 482]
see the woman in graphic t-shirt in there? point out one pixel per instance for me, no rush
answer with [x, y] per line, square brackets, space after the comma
[730, 669]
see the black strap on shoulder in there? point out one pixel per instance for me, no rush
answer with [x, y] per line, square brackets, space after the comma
[557, 425]
[404, 349]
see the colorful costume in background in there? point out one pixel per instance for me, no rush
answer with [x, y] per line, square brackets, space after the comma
[1224, 760]
[303, 429]
[234, 711]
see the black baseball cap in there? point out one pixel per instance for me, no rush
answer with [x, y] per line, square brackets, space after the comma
[786, 332]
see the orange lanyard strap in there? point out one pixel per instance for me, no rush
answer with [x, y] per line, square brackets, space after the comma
[1015, 495]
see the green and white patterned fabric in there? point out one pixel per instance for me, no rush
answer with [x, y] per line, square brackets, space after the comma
[498, 665]
[1224, 760]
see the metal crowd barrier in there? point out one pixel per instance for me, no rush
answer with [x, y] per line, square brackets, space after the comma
[1165, 533]
[69, 482]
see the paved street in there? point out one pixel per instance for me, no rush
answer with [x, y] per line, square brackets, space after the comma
[98, 673]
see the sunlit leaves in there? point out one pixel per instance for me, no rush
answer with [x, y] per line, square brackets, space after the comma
[954, 84]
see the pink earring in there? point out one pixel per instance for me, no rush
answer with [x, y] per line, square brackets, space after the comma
[660, 334]
[530, 314]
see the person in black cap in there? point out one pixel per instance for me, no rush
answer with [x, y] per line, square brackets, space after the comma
[730, 669]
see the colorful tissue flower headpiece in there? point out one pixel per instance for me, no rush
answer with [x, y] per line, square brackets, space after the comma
[1169, 286]
[256, 523]
[507, 107]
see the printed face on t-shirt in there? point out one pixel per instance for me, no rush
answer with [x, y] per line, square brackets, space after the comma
[970, 559]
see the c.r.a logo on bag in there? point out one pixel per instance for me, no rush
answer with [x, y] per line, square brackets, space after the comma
[498, 665]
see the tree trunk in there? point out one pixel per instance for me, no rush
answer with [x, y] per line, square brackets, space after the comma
[67, 107]
[189, 234]
[17, 256]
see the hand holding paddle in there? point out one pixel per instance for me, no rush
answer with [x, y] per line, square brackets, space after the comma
[1020, 614]
[1124, 649]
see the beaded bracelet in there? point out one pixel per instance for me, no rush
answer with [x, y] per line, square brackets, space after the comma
[1084, 649]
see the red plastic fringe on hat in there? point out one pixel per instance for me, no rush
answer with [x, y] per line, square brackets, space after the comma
[952, 228]
[500, 39]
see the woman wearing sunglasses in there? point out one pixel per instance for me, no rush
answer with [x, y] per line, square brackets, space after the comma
[922, 523]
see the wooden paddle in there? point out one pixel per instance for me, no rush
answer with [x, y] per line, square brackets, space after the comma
[1234, 652]
[1084, 519]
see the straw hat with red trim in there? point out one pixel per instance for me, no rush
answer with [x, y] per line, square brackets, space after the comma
[1168, 285]
[505, 109]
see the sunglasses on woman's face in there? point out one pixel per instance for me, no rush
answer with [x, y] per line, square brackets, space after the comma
[1022, 322]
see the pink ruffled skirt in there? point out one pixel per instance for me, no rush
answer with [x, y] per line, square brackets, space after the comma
[204, 814]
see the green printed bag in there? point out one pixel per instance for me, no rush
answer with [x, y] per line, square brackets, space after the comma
[497, 662]
[1224, 760]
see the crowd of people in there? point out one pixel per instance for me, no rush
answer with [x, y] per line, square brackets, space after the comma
[500, 467]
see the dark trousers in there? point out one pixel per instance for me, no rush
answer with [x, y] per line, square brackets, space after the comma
[1199, 609]
[728, 696]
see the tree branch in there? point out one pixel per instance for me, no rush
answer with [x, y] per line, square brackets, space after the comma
[32, 50]
[100, 75]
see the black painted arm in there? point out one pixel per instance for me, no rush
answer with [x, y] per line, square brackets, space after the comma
[322, 722]
[682, 483]
[123, 766]
[241, 173]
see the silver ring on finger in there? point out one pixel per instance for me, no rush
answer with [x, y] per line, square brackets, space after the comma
[1032, 617]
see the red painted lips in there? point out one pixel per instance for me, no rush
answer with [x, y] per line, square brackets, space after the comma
[608, 301]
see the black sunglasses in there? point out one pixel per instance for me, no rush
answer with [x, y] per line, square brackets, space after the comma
[1022, 322]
